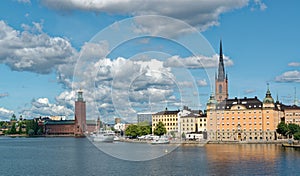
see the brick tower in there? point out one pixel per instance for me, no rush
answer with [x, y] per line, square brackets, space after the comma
[80, 115]
[221, 85]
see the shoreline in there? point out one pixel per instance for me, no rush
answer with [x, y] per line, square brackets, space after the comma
[197, 143]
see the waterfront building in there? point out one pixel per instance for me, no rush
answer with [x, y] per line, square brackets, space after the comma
[240, 119]
[75, 127]
[192, 123]
[145, 117]
[169, 119]
[291, 114]
[243, 119]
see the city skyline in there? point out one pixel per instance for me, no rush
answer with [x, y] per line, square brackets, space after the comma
[44, 42]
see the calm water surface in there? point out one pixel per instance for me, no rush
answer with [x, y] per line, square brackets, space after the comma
[78, 156]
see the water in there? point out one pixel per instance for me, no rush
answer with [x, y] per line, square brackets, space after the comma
[78, 156]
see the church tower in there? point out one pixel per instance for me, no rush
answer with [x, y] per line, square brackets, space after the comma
[80, 115]
[221, 85]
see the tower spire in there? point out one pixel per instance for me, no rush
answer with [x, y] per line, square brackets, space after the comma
[221, 69]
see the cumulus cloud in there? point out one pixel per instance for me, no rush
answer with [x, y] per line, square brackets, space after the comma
[294, 64]
[289, 76]
[202, 14]
[5, 114]
[42, 107]
[29, 51]
[196, 62]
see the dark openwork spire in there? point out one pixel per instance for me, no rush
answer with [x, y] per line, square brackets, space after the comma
[221, 69]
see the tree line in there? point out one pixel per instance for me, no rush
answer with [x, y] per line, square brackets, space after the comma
[143, 129]
[289, 130]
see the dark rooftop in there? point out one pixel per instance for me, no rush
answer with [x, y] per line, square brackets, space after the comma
[249, 103]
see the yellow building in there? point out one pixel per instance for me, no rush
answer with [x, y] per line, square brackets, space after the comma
[291, 114]
[245, 119]
[169, 119]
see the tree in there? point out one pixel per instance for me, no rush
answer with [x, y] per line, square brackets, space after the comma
[293, 128]
[282, 129]
[30, 132]
[132, 130]
[297, 136]
[13, 129]
[160, 129]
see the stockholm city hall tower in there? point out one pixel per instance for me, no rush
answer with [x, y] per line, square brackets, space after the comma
[221, 80]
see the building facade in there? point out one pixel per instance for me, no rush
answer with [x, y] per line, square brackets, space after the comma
[245, 119]
[75, 127]
[291, 114]
[145, 117]
[168, 118]
[240, 119]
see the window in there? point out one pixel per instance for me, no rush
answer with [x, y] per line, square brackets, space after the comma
[220, 88]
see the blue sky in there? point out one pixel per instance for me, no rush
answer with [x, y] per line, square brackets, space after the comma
[127, 62]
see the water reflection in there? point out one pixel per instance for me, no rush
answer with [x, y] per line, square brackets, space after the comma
[257, 159]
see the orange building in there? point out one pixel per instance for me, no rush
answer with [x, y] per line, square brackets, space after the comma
[243, 119]
[240, 119]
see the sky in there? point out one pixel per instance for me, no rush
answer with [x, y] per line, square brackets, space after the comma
[143, 56]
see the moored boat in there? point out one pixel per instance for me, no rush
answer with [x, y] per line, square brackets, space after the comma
[161, 140]
[104, 136]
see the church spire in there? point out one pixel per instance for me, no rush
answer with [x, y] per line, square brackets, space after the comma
[221, 69]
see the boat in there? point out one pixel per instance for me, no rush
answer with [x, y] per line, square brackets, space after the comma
[103, 136]
[116, 138]
[291, 145]
[161, 140]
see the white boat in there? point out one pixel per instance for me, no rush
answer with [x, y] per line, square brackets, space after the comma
[161, 140]
[104, 136]
[116, 138]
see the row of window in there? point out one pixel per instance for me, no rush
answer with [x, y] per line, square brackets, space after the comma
[244, 112]
[244, 130]
[166, 120]
[293, 114]
[250, 123]
[160, 116]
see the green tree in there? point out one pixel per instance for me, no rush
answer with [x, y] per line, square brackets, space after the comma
[160, 129]
[30, 132]
[297, 136]
[132, 130]
[144, 130]
[13, 129]
[282, 129]
[293, 128]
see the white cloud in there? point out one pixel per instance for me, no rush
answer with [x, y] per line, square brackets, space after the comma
[30, 51]
[42, 107]
[202, 82]
[294, 64]
[289, 76]
[2, 95]
[5, 114]
[202, 15]
[249, 91]
[196, 62]
[259, 4]
[24, 1]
